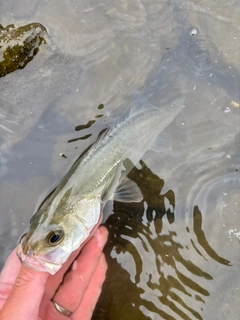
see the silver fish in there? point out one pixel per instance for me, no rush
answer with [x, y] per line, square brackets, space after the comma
[66, 219]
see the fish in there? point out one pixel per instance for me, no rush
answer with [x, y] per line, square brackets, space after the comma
[65, 220]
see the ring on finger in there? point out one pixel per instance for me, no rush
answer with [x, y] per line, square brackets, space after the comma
[62, 310]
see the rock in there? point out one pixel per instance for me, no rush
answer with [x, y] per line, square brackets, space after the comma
[19, 46]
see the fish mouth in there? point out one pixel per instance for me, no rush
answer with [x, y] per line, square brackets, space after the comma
[38, 262]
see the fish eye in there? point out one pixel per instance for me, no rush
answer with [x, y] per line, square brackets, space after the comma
[54, 237]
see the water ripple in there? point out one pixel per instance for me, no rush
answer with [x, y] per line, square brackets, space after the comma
[199, 55]
[215, 207]
[144, 241]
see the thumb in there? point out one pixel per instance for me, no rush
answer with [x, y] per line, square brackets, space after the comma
[26, 292]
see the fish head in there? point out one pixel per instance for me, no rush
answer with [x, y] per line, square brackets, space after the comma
[49, 242]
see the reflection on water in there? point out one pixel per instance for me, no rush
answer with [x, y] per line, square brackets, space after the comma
[149, 267]
[218, 200]
[201, 238]
[161, 270]
[86, 126]
[176, 254]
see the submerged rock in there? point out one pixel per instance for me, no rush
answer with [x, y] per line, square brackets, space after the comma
[18, 46]
[39, 87]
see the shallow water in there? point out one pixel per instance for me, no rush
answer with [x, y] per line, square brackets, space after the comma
[176, 254]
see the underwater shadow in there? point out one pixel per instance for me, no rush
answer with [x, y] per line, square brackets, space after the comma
[148, 273]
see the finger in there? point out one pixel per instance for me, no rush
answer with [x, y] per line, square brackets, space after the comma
[11, 268]
[89, 299]
[92, 292]
[81, 272]
[75, 282]
[26, 294]
[8, 276]
[54, 281]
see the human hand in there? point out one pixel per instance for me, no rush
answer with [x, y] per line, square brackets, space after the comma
[27, 294]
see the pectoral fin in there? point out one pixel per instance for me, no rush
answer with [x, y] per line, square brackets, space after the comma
[127, 191]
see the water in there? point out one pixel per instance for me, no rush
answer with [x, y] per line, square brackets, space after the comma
[176, 254]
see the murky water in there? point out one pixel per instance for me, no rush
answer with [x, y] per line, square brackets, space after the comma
[176, 254]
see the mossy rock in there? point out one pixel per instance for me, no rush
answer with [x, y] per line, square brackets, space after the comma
[18, 46]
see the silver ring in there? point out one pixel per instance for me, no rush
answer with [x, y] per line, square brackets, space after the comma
[62, 310]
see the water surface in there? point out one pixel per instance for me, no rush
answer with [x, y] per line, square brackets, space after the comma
[175, 255]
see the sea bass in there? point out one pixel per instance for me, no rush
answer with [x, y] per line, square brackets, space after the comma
[67, 217]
